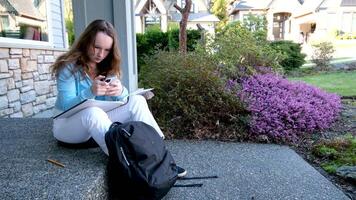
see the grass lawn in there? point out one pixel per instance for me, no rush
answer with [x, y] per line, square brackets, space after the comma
[342, 83]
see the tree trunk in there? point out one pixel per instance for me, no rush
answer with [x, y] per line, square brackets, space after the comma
[183, 25]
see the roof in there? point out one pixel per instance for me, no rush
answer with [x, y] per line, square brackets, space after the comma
[198, 17]
[251, 4]
[309, 6]
[348, 3]
[24, 8]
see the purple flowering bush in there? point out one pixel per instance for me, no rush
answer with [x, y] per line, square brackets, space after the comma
[285, 110]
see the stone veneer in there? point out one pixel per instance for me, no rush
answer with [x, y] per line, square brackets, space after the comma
[26, 85]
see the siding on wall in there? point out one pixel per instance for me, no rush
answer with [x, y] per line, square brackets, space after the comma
[57, 24]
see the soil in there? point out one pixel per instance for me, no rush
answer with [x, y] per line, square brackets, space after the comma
[346, 124]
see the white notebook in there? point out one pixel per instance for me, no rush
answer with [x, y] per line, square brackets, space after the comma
[105, 105]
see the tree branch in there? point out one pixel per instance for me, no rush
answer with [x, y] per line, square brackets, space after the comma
[178, 7]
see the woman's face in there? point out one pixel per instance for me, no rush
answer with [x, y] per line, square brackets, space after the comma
[102, 47]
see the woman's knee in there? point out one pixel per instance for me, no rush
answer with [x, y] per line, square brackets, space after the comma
[93, 113]
[138, 100]
[138, 104]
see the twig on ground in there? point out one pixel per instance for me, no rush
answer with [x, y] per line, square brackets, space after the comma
[55, 162]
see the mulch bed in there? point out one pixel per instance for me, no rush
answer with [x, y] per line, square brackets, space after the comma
[341, 127]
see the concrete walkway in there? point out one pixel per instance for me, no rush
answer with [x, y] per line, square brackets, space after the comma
[246, 171]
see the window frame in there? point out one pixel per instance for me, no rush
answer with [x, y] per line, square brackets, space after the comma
[21, 43]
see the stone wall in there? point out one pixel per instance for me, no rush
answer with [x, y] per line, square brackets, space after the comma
[26, 84]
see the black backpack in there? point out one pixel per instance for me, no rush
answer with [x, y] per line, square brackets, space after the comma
[140, 166]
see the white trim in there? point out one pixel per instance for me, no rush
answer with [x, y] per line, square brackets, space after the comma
[13, 42]
[29, 46]
[64, 29]
[140, 6]
[160, 7]
[158, 3]
[49, 22]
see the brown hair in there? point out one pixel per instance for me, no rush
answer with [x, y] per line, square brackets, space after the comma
[78, 53]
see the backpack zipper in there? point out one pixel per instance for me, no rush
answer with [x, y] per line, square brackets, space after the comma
[123, 154]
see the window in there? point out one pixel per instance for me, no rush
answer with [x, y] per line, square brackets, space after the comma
[331, 21]
[152, 16]
[27, 21]
[346, 22]
[152, 21]
[354, 23]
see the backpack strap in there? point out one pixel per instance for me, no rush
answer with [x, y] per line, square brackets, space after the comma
[197, 177]
[188, 185]
[194, 184]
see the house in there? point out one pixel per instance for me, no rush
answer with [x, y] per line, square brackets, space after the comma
[309, 19]
[324, 19]
[163, 13]
[277, 12]
[32, 36]
[23, 21]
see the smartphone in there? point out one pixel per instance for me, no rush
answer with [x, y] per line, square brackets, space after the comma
[108, 79]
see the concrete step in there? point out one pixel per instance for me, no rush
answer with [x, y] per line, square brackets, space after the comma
[245, 171]
[25, 173]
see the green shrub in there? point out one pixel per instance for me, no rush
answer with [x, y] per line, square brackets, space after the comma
[70, 31]
[142, 48]
[154, 39]
[148, 43]
[239, 52]
[292, 51]
[322, 55]
[190, 100]
[173, 39]
[192, 41]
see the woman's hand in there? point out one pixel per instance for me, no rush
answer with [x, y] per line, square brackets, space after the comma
[114, 88]
[99, 87]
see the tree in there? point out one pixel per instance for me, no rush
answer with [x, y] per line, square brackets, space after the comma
[257, 24]
[219, 8]
[183, 25]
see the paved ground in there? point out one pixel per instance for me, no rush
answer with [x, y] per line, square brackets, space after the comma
[25, 144]
[246, 171]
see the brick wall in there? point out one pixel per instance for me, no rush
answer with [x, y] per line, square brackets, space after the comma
[26, 84]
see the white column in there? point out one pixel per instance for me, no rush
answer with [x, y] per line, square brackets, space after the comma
[269, 17]
[123, 20]
[164, 22]
[138, 24]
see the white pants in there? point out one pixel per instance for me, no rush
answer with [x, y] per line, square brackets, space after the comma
[94, 122]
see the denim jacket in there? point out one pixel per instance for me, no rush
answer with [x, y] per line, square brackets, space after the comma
[73, 88]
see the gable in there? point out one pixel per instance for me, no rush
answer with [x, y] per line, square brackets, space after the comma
[141, 5]
[329, 4]
[308, 7]
[251, 5]
[281, 6]
[25, 9]
[348, 3]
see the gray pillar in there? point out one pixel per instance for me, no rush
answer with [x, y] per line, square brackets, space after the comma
[124, 21]
[121, 15]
